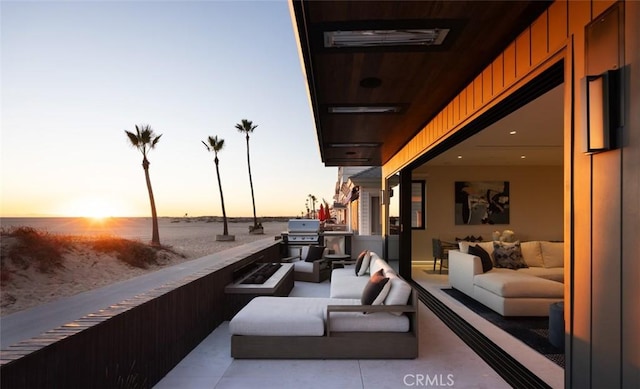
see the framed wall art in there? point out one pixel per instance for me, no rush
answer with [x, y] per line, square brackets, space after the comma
[482, 202]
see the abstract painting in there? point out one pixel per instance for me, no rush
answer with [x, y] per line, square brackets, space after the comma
[482, 202]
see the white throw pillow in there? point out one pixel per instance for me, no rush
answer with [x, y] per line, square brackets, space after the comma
[552, 254]
[464, 246]
[531, 253]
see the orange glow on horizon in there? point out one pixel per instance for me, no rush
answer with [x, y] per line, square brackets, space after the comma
[97, 208]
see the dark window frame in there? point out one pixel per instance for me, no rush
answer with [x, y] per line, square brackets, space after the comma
[421, 225]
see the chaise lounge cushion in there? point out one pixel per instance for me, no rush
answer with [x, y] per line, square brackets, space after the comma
[507, 283]
[284, 316]
[306, 316]
[553, 274]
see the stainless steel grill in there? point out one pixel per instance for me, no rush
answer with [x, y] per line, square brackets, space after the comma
[301, 232]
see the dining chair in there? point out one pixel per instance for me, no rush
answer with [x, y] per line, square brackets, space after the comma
[439, 253]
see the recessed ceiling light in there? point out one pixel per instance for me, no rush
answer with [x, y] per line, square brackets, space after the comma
[366, 109]
[513, 132]
[370, 82]
[523, 156]
[338, 160]
[459, 156]
[354, 144]
[373, 38]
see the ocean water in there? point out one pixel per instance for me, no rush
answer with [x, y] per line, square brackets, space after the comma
[138, 227]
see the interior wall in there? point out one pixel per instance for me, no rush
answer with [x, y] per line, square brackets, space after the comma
[536, 204]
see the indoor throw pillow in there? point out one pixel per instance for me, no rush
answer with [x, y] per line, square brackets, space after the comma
[508, 255]
[484, 256]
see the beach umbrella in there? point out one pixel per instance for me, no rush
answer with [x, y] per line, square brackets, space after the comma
[321, 215]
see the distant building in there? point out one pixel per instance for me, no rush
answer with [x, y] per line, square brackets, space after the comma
[358, 197]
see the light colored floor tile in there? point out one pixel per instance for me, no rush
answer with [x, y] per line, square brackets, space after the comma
[444, 360]
[310, 382]
[310, 289]
[293, 374]
[180, 381]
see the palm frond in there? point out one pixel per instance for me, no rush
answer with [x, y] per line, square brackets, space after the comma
[215, 144]
[155, 140]
[133, 138]
[143, 138]
[246, 126]
[219, 144]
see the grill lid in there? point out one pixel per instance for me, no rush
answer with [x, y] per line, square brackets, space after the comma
[304, 226]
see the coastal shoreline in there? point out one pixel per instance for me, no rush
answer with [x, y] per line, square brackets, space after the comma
[85, 269]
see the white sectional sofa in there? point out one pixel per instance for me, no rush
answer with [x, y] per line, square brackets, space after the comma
[339, 326]
[512, 292]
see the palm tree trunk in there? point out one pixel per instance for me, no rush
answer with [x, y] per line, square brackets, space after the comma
[224, 213]
[253, 200]
[155, 235]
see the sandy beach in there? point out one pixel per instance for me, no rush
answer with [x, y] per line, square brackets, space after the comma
[83, 269]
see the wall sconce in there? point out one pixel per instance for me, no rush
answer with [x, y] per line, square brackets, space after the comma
[602, 111]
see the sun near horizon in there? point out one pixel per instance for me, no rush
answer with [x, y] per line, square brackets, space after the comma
[94, 208]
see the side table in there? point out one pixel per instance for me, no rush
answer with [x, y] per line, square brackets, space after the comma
[338, 261]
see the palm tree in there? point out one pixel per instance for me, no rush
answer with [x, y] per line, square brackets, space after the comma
[145, 140]
[313, 204]
[216, 145]
[247, 127]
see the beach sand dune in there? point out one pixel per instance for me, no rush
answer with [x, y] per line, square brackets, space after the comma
[84, 269]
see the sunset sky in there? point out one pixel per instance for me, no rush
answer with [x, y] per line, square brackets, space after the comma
[75, 75]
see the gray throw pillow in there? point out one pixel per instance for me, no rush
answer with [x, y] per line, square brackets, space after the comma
[508, 255]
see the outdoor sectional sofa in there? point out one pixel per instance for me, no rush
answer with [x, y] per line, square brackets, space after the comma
[332, 327]
[527, 291]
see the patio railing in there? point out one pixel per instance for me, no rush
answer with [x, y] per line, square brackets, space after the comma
[133, 343]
